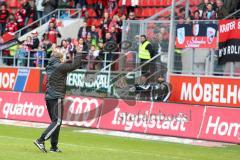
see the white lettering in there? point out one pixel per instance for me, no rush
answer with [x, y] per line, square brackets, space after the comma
[19, 109]
[216, 93]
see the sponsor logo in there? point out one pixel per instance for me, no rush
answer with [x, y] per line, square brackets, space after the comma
[82, 111]
[195, 29]
[7, 80]
[88, 81]
[147, 120]
[195, 42]
[211, 32]
[222, 128]
[215, 93]
[228, 27]
[181, 35]
[23, 109]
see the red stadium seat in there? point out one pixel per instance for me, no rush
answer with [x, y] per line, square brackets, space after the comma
[14, 3]
[143, 3]
[7, 37]
[138, 12]
[195, 2]
[158, 3]
[90, 21]
[167, 2]
[91, 12]
[152, 3]
[147, 12]
[159, 9]
[153, 11]
[96, 22]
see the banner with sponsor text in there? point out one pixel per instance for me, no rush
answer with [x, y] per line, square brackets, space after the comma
[205, 90]
[180, 120]
[229, 41]
[152, 118]
[78, 111]
[196, 35]
[19, 79]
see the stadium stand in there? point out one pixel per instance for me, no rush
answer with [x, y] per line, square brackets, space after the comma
[107, 29]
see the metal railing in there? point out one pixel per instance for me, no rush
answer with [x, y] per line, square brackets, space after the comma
[34, 59]
[117, 90]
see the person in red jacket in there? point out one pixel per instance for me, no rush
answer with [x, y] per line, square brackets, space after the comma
[20, 16]
[11, 26]
[4, 14]
[53, 33]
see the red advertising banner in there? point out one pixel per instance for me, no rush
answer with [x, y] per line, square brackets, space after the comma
[82, 111]
[123, 115]
[229, 41]
[78, 111]
[175, 120]
[221, 124]
[205, 90]
[181, 120]
[229, 29]
[19, 79]
[23, 106]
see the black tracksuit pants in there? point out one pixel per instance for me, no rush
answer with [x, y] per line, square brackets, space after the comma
[55, 111]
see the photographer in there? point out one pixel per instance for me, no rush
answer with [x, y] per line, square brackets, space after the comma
[57, 71]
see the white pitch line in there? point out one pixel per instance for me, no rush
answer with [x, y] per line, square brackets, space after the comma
[105, 149]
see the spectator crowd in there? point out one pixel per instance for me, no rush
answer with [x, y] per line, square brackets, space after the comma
[92, 37]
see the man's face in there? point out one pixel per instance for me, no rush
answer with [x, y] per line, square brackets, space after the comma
[64, 43]
[106, 15]
[51, 25]
[93, 28]
[131, 15]
[112, 29]
[219, 3]
[196, 15]
[3, 7]
[142, 39]
[108, 35]
[92, 48]
[80, 41]
[209, 7]
[89, 37]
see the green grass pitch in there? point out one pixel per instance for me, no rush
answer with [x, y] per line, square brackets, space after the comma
[16, 143]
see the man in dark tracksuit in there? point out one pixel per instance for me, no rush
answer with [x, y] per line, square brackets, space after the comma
[57, 71]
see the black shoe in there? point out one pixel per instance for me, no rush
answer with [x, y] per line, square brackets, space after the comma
[55, 150]
[40, 145]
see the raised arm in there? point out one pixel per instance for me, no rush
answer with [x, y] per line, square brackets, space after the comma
[69, 67]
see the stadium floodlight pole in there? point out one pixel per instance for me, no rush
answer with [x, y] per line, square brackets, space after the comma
[171, 45]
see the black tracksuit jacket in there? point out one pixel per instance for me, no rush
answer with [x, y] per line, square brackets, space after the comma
[57, 76]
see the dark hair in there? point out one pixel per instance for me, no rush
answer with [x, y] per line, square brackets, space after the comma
[209, 3]
[182, 10]
[144, 36]
[197, 11]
